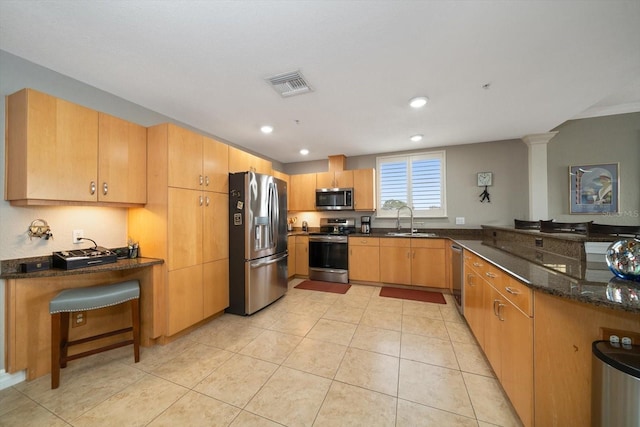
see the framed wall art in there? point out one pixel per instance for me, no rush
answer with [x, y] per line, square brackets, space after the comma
[594, 189]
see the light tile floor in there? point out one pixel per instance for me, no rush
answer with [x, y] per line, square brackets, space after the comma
[310, 359]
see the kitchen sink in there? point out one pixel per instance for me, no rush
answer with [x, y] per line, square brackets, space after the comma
[407, 234]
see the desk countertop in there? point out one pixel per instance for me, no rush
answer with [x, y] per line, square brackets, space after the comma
[10, 269]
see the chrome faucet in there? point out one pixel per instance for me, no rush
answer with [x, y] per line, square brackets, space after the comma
[398, 218]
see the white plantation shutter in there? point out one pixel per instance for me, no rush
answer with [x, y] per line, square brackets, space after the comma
[416, 180]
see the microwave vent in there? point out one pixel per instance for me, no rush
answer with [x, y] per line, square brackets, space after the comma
[289, 84]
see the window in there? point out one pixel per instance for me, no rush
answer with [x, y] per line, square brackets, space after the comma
[416, 180]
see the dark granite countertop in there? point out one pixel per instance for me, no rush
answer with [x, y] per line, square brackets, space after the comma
[591, 289]
[10, 269]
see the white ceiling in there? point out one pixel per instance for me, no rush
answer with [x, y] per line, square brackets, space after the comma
[204, 63]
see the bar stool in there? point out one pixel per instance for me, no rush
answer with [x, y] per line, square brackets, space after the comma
[85, 299]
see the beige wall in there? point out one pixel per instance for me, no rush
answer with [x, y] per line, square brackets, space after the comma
[610, 139]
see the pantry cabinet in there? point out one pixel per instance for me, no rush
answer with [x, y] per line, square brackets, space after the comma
[364, 259]
[58, 152]
[303, 192]
[185, 222]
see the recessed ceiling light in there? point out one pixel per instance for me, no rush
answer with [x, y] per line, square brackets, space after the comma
[417, 138]
[266, 129]
[418, 101]
[304, 151]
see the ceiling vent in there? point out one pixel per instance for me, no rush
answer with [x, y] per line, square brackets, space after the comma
[289, 84]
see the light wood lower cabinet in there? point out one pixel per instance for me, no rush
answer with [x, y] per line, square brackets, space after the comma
[396, 268]
[291, 260]
[428, 263]
[364, 259]
[302, 256]
[413, 261]
[215, 287]
[492, 302]
[563, 334]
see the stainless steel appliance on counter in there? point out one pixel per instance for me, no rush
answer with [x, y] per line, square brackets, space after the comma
[329, 250]
[257, 241]
[365, 224]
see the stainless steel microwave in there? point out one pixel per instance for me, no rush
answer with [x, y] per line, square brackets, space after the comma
[334, 199]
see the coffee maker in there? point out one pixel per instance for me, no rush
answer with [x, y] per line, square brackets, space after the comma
[365, 224]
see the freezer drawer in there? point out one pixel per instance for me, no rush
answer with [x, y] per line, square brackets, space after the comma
[254, 284]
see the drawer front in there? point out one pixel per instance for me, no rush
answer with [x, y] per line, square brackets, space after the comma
[496, 277]
[302, 239]
[417, 242]
[475, 263]
[393, 242]
[518, 294]
[364, 241]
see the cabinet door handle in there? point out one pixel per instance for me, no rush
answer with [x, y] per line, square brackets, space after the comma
[105, 188]
[469, 277]
[495, 301]
[206, 180]
[500, 306]
[491, 275]
[511, 290]
[92, 188]
[201, 179]
[208, 200]
[201, 200]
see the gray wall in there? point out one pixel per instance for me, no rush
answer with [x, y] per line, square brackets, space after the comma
[610, 139]
[509, 193]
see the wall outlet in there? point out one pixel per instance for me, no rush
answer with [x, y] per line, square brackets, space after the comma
[634, 337]
[459, 220]
[77, 235]
[78, 318]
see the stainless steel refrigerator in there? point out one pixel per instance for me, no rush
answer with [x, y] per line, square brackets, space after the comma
[257, 241]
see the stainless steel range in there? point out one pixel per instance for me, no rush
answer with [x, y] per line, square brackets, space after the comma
[329, 250]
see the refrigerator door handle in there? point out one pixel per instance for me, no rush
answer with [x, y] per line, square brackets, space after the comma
[262, 263]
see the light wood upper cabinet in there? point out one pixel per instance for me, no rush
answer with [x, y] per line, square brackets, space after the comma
[122, 167]
[241, 161]
[364, 188]
[336, 179]
[58, 152]
[302, 192]
[52, 150]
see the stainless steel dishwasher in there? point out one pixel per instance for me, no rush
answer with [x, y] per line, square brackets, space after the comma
[456, 276]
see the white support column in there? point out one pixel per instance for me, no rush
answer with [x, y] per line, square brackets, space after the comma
[538, 190]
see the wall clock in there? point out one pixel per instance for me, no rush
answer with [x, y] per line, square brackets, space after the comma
[485, 178]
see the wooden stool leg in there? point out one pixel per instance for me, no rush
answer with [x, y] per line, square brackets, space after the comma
[55, 350]
[135, 320]
[64, 338]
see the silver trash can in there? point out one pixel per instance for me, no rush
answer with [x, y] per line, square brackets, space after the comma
[615, 382]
